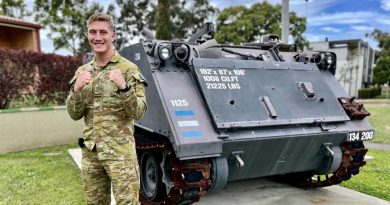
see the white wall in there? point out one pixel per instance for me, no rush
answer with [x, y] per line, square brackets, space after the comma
[26, 130]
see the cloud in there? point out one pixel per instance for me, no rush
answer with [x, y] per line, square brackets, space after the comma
[362, 28]
[314, 38]
[46, 45]
[384, 21]
[44, 34]
[385, 5]
[298, 6]
[343, 18]
[331, 29]
[313, 7]
[222, 4]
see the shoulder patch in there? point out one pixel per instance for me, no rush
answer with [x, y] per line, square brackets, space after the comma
[141, 79]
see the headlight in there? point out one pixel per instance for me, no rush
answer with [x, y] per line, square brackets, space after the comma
[181, 53]
[164, 52]
[329, 59]
[316, 58]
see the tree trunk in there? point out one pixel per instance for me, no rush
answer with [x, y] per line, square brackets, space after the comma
[164, 24]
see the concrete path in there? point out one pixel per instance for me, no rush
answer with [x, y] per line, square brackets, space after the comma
[371, 145]
[263, 191]
[375, 102]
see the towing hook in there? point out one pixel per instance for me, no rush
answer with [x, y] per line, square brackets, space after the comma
[240, 163]
[328, 149]
[237, 158]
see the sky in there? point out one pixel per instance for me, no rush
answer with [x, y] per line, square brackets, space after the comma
[332, 19]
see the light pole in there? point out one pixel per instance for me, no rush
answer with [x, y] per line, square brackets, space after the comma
[285, 21]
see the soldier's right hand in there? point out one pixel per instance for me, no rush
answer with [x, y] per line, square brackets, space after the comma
[83, 79]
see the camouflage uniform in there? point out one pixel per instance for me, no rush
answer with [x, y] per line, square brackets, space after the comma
[109, 154]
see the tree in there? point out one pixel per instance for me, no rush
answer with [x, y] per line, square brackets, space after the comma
[185, 17]
[189, 16]
[14, 8]
[164, 25]
[382, 70]
[133, 17]
[241, 24]
[382, 66]
[383, 39]
[67, 21]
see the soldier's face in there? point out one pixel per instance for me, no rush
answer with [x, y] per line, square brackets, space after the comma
[100, 37]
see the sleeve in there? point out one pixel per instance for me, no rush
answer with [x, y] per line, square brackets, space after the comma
[134, 100]
[74, 101]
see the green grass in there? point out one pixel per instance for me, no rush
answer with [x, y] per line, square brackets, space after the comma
[382, 96]
[40, 176]
[380, 118]
[374, 177]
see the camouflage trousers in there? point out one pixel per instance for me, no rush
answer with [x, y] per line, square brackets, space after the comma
[98, 175]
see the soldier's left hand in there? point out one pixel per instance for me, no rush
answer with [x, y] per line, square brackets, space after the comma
[117, 77]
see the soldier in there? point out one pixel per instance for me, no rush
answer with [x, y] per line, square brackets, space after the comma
[109, 93]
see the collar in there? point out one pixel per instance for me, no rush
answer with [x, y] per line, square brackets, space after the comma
[115, 58]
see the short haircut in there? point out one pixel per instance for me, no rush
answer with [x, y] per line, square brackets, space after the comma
[102, 17]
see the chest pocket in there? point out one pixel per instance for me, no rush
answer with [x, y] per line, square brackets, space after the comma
[106, 91]
[87, 92]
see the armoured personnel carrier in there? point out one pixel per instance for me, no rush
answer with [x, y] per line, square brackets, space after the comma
[220, 113]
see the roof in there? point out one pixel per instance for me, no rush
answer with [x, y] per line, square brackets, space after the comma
[349, 41]
[345, 41]
[19, 22]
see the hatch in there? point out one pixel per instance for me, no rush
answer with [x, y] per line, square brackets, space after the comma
[249, 93]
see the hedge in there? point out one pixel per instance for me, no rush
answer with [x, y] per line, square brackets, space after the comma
[365, 93]
[45, 75]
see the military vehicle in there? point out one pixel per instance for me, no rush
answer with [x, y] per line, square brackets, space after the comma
[221, 113]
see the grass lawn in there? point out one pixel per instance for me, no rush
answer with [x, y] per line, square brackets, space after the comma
[380, 120]
[374, 177]
[40, 176]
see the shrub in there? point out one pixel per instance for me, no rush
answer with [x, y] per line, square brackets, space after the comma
[378, 91]
[46, 75]
[365, 93]
[54, 74]
[16, 73]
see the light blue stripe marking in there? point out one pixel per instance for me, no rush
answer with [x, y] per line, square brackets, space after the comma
[184, 113]
[194, 134]
[188, 123]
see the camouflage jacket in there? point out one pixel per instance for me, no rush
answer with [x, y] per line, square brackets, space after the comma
[108, 115]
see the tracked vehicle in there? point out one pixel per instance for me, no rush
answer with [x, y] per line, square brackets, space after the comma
[221, 113]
